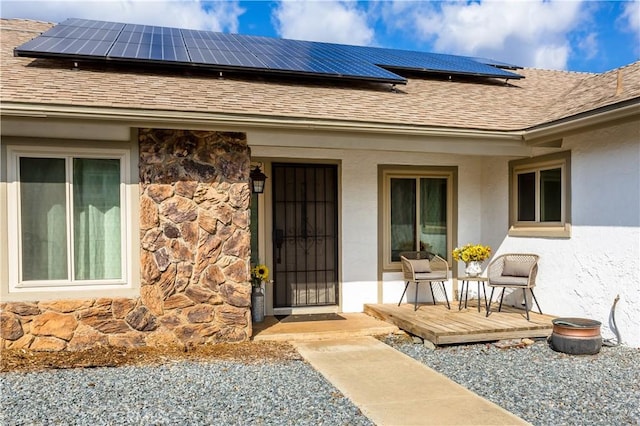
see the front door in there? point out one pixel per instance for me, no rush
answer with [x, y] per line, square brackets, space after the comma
[305, 237]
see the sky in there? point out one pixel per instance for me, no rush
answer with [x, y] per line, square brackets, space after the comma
[575, 35]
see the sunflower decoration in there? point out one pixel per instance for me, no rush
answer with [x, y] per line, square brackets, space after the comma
[259, 273]
[472, 252]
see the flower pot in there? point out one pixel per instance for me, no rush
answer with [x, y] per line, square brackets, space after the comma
[576, 336]
[257, 304]
[473, 268]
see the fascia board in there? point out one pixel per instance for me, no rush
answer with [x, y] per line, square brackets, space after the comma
[200, 120]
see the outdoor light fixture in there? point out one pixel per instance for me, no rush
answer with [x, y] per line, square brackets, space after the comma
[257, 180]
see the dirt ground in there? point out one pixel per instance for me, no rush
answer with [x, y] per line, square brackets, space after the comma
[23, 360]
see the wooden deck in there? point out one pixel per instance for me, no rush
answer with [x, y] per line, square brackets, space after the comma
[442, 326]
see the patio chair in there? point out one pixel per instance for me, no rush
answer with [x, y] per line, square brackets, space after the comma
[423, 267]
[513, 270]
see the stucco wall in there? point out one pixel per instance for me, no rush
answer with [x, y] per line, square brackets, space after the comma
[194, 226]
[582, 275]
[579, 276]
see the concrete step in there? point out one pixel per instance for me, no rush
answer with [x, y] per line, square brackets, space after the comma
[320, 327]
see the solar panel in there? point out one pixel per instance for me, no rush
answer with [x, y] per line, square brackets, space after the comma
[87, 39]
[498, 64]
[429, 62]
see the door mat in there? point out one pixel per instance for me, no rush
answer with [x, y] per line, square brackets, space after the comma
[309, 317]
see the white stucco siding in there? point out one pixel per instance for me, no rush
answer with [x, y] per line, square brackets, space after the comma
[606, 177]
[471, 195]
[359, 236]
[605, 249]
[494, 209]
[581, 276]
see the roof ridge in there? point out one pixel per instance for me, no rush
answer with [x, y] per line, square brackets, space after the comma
[19, 24]
[37, 21]
[586, 72]
[629, 65]
[562, 71]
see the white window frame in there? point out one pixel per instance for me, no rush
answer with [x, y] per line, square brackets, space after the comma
[411, 172]
[14, 153]
[537, 228]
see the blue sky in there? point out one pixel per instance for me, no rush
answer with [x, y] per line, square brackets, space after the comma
[576, 35]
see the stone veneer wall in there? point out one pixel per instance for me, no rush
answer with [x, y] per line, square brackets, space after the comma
[195, 248]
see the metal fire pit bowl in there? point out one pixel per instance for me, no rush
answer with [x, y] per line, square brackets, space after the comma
[576, 336]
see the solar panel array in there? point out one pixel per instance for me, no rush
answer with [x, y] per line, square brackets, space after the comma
[87, 39]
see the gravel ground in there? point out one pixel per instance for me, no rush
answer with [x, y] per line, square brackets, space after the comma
[540, 385]
[182, 393]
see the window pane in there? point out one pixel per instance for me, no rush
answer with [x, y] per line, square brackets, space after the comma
[403, 216]
[43, 219]
[96, 220]
[527, 197]
[551, 195]
[433, 215]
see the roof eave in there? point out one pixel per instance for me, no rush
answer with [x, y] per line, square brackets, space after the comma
[550, 131]
[205, 120]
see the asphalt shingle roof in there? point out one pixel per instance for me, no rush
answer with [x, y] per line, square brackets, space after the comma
[543, 96]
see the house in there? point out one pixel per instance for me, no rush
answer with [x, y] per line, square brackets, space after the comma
[153, 241]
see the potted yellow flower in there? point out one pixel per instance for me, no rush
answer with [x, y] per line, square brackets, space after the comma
[259, 273]
[472, 255]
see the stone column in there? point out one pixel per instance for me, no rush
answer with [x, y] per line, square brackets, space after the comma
[194, 221]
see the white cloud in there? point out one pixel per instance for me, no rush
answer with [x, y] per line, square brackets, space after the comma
[630, 18]
[530, 33]
[328, 21]
[195, 14]
[551, 57]
[629, 22]
[589, 45]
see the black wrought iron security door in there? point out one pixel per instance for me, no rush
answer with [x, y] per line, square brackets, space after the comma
[305, 237]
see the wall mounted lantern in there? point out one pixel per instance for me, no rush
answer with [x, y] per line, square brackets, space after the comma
[257, 180]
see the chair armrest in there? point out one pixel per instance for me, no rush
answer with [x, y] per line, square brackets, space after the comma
[533, 274]
[495, 268]
[407, 269]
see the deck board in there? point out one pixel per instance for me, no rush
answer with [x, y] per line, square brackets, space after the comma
[441, 326]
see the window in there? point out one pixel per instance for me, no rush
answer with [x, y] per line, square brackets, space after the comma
[417, 212]
[67, 217]
[540, 196]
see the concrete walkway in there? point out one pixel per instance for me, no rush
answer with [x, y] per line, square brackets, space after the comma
[391, 388]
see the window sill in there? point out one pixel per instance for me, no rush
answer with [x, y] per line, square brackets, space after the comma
[561, 231]
[70, 292]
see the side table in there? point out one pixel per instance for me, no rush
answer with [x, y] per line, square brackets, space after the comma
[465, 291]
